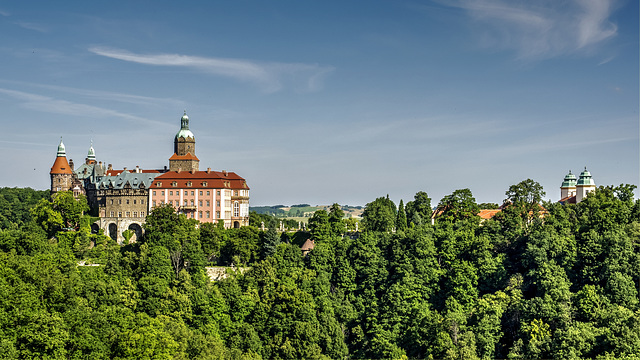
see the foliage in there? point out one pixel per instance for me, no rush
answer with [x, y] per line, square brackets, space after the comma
[564, 286]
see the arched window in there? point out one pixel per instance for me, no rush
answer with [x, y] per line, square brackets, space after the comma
[236, 209]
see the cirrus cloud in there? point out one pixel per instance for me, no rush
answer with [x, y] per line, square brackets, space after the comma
[270, 77]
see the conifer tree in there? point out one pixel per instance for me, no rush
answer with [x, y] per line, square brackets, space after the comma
[401, 219]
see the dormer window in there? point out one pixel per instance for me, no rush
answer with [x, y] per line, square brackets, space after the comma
[189, 183]
[158, 184]
[204, 183]
[174, 184]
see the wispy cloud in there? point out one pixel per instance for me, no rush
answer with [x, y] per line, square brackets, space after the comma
[542, 29]
[4, 13]
[270, 77]
[33, 26]
[56, 106]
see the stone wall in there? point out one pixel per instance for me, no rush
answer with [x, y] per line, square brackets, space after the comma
[217, 273]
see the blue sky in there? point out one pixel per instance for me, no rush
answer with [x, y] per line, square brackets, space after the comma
[328, 101]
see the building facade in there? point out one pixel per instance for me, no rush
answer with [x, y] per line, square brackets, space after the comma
[123, 198]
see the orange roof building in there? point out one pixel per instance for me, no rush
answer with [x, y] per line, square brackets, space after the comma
[61, 173]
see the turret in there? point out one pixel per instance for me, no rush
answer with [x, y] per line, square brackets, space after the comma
[568, 187]
[585, 185]
[184, 149]
[61, 173]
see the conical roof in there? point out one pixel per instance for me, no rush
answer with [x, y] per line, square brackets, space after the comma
[61, 166]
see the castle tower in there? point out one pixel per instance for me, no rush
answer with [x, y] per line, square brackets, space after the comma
[61, 173]
[585, 185]
[184, 149]
[91, 156]
[568, 187]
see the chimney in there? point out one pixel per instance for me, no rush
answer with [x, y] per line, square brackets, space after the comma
[165, 168]
[137, 169]
[110, 167]
[208, 170]
[224, 172]
[71, 164]
[178, 171]
[125, 169]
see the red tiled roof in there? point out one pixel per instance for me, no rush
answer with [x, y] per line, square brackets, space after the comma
[568, 200]
[189, 156]
[61, 166]
[213, 179]
[487, 214]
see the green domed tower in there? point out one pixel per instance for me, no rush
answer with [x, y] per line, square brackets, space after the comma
[585, 185]
[184, 149]
[568, 187]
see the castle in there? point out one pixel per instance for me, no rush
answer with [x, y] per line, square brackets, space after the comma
[122, 198]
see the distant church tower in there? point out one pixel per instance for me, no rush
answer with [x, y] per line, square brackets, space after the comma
[184, 149]
[585, 185]
[568, 187]
[61, 173]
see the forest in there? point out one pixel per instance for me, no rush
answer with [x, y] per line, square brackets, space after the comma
[538, 280]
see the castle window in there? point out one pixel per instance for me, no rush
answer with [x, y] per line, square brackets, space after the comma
[158, 184]
[218, 203]
[174, 184]
[200, 192]
[208, 203]
[112, 214]
[154, 193]
[185, 203]
[119, 213]
[235, 193]
[111, 201]
[204, 183]
[236, 209]
[208, 193]
[191, 202]
[192, 193]
[200, 214]
[189, 183]
[134, 202]
[141, 213]
[170, 202]
[127, 201]
[154, 203]
[200, 203]
[218, 192]
[218, 214]
[135, 214]
[208, 214]
[170, 192]
[119, 201]
[162, 193]
[128, 214]
[142, 201]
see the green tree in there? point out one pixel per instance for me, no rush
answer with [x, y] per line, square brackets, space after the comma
[401, 219]
[379, 215]
[419, 210]
[460, 205]
[319, 226]
[336, 221]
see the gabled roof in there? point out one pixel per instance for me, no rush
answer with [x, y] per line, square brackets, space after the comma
[200, 179]
[61, 166]
[126, 179]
